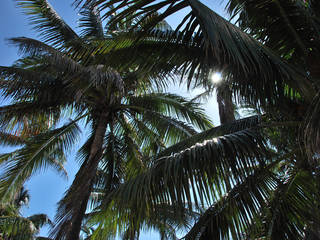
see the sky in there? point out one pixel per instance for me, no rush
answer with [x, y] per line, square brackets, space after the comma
[46, 188]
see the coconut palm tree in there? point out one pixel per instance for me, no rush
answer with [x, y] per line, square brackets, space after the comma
[128, 116]
[269, 62]
[13, 225]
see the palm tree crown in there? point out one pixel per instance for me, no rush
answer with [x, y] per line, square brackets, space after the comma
[257, 179]
[128, 115]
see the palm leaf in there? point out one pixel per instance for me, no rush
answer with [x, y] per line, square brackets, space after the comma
[7, 139]
[171, 104]
[226, 47]
[310, 129]
[239, 125]
[21, 228]
[192, 173]
[278, 26]
[78, 74]
[51, 27]
[91, 23]
[39, 220]
[17, 227]
[229, 216]
[293, 206]
[39, 152]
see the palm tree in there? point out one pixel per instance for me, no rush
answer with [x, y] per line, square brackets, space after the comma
[13, 225]
[63, 76]
[268, 63]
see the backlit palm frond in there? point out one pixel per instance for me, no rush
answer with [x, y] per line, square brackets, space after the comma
[26, 85]
[164, 218]
[155, 130]
[141, 136]
[39, 152]
[226, 48]
[245, 57]
[138, 141]
[292, 209]
[51, 27]
[171, 104]
[157, 55]
[194, 175]
[112, 163]
[21, 84]
[31, 47]
[275, 23]
[38, 86]
[37, 97]
[170, 129]
[169, 219]
[119, 10]
[229, 216]
[229, 128]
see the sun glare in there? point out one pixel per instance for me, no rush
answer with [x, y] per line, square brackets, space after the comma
[216, 77]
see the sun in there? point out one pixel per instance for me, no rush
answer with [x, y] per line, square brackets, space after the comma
[216, 77]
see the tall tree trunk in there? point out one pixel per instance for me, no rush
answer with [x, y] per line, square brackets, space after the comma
[225, 104]
[76, 200]
[226, 111]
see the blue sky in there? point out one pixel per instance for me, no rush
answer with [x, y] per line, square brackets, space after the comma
[47, 188]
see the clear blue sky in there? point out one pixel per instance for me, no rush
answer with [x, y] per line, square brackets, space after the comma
[47, 188]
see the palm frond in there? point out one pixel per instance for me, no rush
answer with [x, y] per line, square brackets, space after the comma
[226, 48]
[91, 23]
[239, 125]
[170, 129]
[195, 174]
[17, 227]
[18, 118]
[171, 104]
[32, 47]
[22, 197]
[51, 27]
[38, 81]
[291, 210]
[90, 75]
[7, 139]
[229, 216]
[39, 220]
[165, 218]
[41, 151]
[279, 30]
[21, 84]
[310, 130]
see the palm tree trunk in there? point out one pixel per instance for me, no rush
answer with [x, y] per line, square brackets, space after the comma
[225, 104]
[226, 111]
[86, 178]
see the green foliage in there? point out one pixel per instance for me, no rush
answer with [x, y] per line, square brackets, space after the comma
[270, 62]
[13, 225]
[256, 177]
[128, 117]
